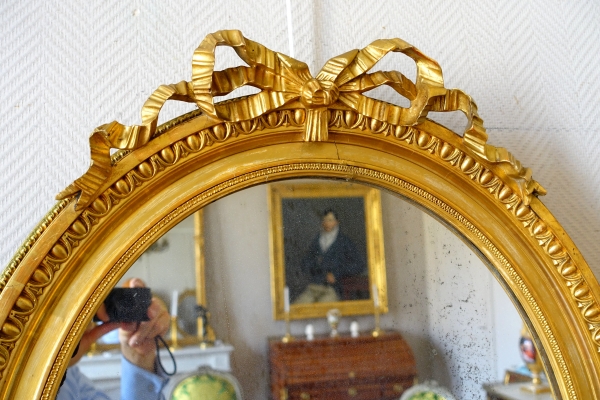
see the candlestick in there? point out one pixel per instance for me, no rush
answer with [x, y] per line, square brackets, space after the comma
[286, 310]
[93, 350]
[174, 339]
[174, 301]
[376, 332]
[288, 336]
[532, 359]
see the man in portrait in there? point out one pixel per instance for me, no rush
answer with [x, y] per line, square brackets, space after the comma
[331, 256]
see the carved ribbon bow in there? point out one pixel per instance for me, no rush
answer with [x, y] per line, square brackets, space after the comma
[283, 79]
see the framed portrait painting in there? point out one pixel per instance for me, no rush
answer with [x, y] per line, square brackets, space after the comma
[326, 249]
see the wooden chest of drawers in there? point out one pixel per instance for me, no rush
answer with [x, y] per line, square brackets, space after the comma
[341, 368]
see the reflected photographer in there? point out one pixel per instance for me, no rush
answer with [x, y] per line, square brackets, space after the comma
[140, 318]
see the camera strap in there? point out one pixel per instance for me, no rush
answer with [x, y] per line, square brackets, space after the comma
[158, 339]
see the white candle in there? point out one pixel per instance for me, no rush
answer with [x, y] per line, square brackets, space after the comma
[375, 296]
[174, 301]
[310, 332]
[286, 299]
[354, 329]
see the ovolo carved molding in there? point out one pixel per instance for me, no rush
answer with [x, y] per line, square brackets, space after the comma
[340, 121]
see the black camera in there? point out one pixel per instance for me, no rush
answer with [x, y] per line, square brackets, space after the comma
[128, 304]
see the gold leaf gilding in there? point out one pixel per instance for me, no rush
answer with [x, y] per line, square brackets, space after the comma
[282, 80]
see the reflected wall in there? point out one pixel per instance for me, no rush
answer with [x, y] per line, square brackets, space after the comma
[442, 298]
[169, 264]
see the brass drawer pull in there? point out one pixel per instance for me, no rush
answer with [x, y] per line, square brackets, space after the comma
[283, 393]
[352, 392]
[305, 396]
[398, 388]
[351, 374]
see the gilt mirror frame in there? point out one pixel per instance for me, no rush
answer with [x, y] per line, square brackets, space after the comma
[297, 126]
[363, 214]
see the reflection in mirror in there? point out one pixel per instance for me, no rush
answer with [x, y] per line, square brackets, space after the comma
[459, 323]
[187, 313]
[168, 265]
[461, 327]
[457, 320]
[326, 248]
[173, 267]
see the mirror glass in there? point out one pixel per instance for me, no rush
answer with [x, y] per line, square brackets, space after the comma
[187, 314]
[459, 323]
[168, 265]
[171, 268]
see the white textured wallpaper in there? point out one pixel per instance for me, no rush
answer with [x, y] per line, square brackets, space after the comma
[68, 66]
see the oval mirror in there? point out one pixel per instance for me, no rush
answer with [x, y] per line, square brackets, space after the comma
[322, 127]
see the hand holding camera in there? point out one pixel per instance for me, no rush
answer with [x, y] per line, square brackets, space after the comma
[140, 318]
[128, 304]
[137, 338]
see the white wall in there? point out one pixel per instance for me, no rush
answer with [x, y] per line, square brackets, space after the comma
[172, 266]
[532, 67]
[441, 296]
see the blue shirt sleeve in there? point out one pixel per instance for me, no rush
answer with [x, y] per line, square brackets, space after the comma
[77, 386]
[136, 383]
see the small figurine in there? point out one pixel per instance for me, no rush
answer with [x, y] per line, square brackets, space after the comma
[333, 317]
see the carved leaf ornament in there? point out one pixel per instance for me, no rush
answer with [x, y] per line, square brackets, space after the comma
[283, 79]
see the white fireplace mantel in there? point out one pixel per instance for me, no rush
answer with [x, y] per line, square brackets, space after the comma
[104, 369]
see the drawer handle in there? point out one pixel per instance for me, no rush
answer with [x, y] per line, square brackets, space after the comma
[305, 396]
[351, 374]
[283, 394]
[352, 392]
[398, 388]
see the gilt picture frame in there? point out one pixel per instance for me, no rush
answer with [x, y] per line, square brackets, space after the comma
[297, 210]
